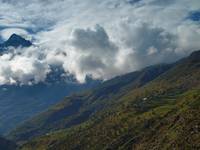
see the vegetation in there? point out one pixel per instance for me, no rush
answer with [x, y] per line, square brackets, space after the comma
[80, 107]
[125, 113]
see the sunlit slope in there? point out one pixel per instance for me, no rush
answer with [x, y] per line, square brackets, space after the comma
[160, 114]
[78, 108]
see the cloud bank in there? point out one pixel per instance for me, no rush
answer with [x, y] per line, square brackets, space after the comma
[97, 38]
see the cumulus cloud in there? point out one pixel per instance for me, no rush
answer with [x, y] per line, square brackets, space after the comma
[149, 44]
[22, 69]
[142, 36]
[100, 38]
[98, 53]
[94, 41]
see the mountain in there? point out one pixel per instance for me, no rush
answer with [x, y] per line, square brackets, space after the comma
[15, 41]
[7, 145]
[20, 102]
[78, 108]
[139, 110]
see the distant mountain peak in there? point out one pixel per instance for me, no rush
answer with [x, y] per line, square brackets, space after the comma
[15, 36]
[16, 41]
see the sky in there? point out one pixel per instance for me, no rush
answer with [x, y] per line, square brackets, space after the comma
[97, 38]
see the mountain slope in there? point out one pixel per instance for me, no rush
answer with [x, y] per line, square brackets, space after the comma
[78, 108]
[18, 103]
[168, 126]
[162, 114]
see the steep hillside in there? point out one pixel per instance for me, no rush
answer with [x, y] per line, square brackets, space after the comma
[162, 114]
[78, 108]
[172, 125]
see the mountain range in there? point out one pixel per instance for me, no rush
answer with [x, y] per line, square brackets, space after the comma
[154, 108]
[20, 102]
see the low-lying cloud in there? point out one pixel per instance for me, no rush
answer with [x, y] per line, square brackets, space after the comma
[22, 69]
[98, 38]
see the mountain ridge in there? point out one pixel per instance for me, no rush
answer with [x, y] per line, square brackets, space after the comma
[98, 94]
[121, 123]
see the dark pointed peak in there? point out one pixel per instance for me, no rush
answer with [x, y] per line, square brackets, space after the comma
[15, 36]
[16, 41]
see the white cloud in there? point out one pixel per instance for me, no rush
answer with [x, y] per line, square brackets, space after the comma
[95, 52]
[188, 37]
[130, 34]
[23, 68]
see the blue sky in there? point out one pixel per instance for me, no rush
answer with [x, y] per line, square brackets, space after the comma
[102, 38]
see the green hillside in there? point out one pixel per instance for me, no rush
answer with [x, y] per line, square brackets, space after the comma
[125, 113]
[78, 108]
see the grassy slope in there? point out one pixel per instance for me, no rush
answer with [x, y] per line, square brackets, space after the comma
[79, 108]
[163, 127]
[160, 115]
